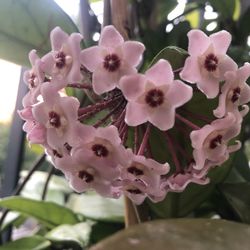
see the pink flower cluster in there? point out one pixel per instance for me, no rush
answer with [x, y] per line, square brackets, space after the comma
[105, 145]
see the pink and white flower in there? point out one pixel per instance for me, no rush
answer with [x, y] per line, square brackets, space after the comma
[154, 96]
[235, 92]
[211, 141]
[208, 61]
[58, 115]
[111, 59]
[147, 170]
[63, 61]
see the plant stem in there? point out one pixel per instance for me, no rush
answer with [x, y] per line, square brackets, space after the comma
[80, 86]
[144, 140]
[36, 165]
[45, 189]
[173, 153]
[187, 122]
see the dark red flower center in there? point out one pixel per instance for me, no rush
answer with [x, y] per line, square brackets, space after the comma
[111, 62]
[135, 171]
[100, 150]
[31, 80]
[134, 191]
[211, 62]
[87, 177]
[60, 59]
[56, 154]
[215, 142]
[236, 94]
[154, 98]
[54, 119]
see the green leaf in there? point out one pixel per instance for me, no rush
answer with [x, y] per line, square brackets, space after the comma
[78, 234]
[225, 7]
[26, 25]
[27, 243]
[57, 189]
[176, 56]
[238, 196]
[95, 207]
[181, 234]
[49, 213]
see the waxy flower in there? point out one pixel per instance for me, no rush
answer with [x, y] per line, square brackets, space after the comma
[83, 175]
[208, 61]
[235, 92]
[211, 141]
[63, 61]
[154, 96]
[36, 132]
[111, 59]
[100, 147]
[146, 170]
[57, 114]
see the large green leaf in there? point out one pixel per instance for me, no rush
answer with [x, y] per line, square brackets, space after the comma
[238, 196]
[77, 235]
[27, 243]
[26, 25]
[49, 213]
[95, 207]
[181, 234]
[225, 7]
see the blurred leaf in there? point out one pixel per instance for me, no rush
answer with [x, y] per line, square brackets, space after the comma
[241, 164]
[26, 25]
[78, 235]
[27, 243]
[181, 234]
[13, 219]
[194, 18]
[95, 207]
[49, 213]
[238, 196]
[244, 27]
[176, 57]
[237, 10]
[57, 189]
[225, 7]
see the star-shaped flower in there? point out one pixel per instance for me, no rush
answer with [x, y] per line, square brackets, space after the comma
[235, 92]
[111, 59]
[208, 61]
[154, 96]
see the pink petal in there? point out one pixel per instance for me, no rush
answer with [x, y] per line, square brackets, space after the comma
[109, 133]
[221, 41]
[132, 52]
[179, 93]
[163, 118]
[70, 106]
[198, 42]
[136, 114]
[74, 74]
[110, 37]
[104, 81]
[227, 64]
[209, 86]
[58, 37]
[199, 158]
[191, 70]
[33, 57]
[245, 94]
[160, 73]
[132, 86]
[244, 72]
[198, 136]
[91, 58]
